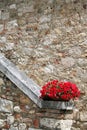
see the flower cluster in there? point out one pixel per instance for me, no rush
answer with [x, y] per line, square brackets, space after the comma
[56, 90]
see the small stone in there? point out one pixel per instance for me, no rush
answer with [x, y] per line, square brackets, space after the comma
[84, 77]
[24, 100]
[3, 39]
[58, 31]
[28, 9]
[43, 26]
[85, 126]
[75, 51]
[32, 112]
[21, 22]
[45, 19]
[22, 126]
[13, 6]
[56, 124]
[83, 116]
[67, 62]
[5, 16]
[6, 105]
[66, 124]
[1, 82]
[82, 62]
[10, 119]
[9, 46]
[49, 68]
[76, 114]
[13, 128]
[20, 13]
[2, 123]
[12, 24]
[17, 109]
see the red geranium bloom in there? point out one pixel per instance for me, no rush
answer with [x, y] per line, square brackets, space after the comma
[56, 90]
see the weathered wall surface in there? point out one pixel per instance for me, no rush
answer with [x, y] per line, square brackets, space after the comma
[48, 40]
[18, 112]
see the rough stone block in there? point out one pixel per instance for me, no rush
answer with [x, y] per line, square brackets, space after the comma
[13, 6]
[6, 105]
[83, 116]
[2, 123]
[56, 124]
[5, 16]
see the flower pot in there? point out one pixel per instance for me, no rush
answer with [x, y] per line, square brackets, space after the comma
[61, 105]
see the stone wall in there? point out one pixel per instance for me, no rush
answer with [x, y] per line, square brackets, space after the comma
[47, 40]
[18, 112]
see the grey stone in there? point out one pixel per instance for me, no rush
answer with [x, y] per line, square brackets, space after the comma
[3, 39]
[48, 40]
[43, 26]
[45, 19]
[56, 124]
[83, 116]
[82, 62]
[12, 24]
[5, 15]
[48, 122]
[66, 124]
[22, 126]
[13, 6]
[13, 127]
[9, 46]
[2, 123]
[84, 77]
[49, 69]
[28, 9]
[10, 119]
[75, 51]
[6, 105]
[76, 114]
[68, 62]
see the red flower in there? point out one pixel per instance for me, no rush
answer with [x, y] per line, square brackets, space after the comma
[56, 90]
